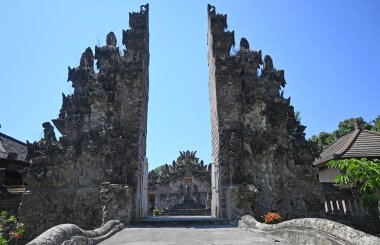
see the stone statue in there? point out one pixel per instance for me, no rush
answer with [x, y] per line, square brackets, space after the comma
[208, 201]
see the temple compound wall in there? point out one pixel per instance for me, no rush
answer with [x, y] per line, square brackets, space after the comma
[261, 159]
[94, 170]
[186, 184]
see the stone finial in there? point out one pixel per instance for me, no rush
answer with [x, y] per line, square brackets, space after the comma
[210, 9]
[139, 20]
[87, 59]
[144, 8]
[48, 131]
[268, 62]
[244, 44]
[187, 154]
[268, 65]
[111, 39]
[63, 110]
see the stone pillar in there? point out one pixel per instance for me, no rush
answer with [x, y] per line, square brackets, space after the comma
[350, 207]
[256, 137]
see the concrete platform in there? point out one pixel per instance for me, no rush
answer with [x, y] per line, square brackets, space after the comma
[197, 235]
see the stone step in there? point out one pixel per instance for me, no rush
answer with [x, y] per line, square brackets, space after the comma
[195, 212]
[178, 221]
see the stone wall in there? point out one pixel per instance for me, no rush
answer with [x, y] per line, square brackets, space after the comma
[257, 140]
[103, 126]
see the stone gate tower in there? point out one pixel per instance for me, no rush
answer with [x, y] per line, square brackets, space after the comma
[103, 126]
[261, 159]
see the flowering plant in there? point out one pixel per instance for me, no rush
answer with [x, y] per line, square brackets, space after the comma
[272, 218]
[10, 228]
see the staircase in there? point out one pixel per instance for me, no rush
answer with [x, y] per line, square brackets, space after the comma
[187, 212]
[179, 221]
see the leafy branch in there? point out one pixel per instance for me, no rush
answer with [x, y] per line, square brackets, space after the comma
[362, 171]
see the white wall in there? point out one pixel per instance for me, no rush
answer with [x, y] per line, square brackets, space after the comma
[328, 174]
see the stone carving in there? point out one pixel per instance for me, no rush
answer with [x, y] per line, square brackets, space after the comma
[38, 172]
[187, 154]
[103, 128]
[311, 231]
[244, 44]
[111, 39]
[69, 234]
[240, 197]
[256, 136]
[87, 59]
[249, 192]
[115, 200]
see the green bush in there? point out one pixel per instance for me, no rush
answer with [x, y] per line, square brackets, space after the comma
[156, 212]
[10, 228]
[370, 200]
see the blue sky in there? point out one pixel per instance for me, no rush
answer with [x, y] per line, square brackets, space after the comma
[329, 50]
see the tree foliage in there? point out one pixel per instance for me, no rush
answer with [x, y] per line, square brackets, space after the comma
[376, 124]
[355, 171]
[323, 139]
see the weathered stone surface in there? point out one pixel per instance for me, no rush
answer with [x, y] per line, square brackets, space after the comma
[256, 137]
[103, 126]
[238, 198]
[311, 231]
[69, 234]
[116, 202]
[186, 184]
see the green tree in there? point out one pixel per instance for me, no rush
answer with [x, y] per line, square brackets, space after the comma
[350, 124]
[376, 124]
[323, 139]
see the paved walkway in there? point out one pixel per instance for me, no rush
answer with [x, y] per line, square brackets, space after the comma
[199, 235]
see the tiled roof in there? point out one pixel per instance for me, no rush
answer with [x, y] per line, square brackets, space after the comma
[10, 147]
[357, 144]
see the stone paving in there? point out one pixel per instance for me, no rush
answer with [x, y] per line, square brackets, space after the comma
[200, 235]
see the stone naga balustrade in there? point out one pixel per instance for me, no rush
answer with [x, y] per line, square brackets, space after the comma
[69, 234]
[311, 231]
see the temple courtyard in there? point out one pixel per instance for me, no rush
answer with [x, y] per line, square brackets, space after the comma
[219, 234]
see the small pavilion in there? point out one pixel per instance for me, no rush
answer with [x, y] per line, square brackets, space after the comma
[13, 166]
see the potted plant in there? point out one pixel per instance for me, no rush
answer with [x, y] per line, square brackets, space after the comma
[156, 212]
